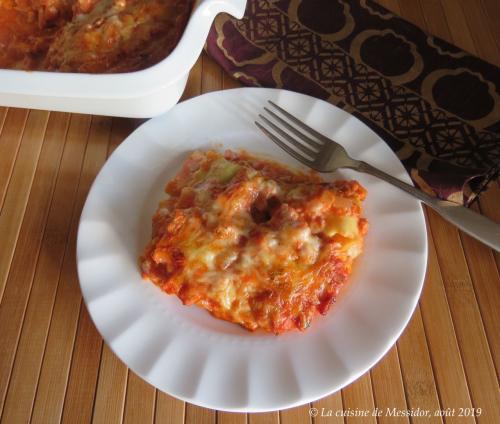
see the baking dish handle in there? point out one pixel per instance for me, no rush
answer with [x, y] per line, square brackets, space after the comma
[235, 8]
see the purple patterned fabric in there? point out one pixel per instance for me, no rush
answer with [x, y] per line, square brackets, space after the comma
[435, 105]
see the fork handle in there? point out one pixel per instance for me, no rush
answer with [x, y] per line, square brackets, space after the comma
[472, 223]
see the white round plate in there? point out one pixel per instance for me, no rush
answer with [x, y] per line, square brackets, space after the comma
[186, 352]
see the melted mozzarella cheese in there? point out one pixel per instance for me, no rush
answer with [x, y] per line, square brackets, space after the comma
[261, 263]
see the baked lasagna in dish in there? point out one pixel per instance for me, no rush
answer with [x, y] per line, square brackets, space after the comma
[90, 36]
[253, 242]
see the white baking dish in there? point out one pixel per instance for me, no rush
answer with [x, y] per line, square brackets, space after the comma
[140, 94]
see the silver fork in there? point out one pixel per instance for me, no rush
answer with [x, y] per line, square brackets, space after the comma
[325, 155]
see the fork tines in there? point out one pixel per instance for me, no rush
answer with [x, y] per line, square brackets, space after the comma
[292, 135]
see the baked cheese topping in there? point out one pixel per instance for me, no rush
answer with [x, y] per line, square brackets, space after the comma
[253, 242]
[91, 36]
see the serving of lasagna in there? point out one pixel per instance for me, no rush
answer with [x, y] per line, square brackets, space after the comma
[254, 243]
[90, 36]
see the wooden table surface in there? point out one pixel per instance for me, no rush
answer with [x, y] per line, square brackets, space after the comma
[55, 367]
